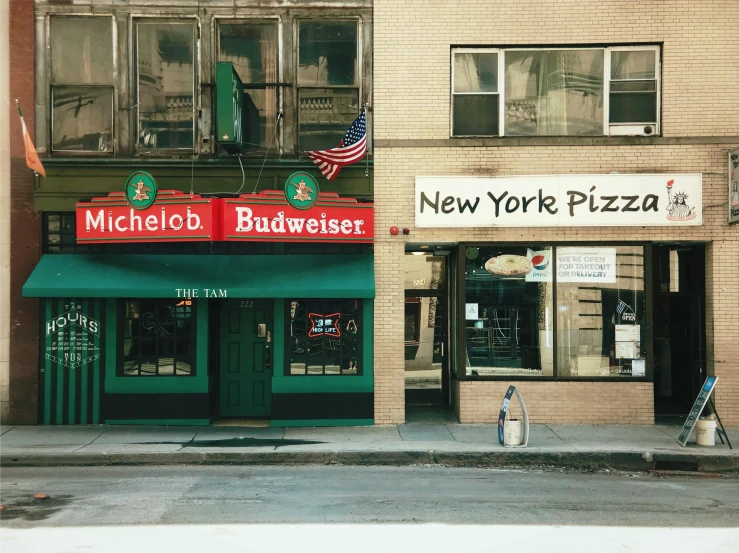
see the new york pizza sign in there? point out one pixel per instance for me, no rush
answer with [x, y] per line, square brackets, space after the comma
[299, 214]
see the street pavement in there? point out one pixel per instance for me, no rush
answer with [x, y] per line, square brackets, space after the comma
[363, 509]
[628, 447]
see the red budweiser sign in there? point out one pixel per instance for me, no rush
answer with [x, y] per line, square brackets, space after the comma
[173, 216]
[267, 216]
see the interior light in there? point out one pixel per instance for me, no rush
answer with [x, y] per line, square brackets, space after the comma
[418, 253]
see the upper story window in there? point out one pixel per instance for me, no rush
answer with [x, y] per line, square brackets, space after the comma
[165, 62]
[565, 92]
[304, 77]
[82, 78]
[253, 49]
[328, 82]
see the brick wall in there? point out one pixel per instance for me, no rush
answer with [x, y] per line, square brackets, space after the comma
[25, 224]
[413, 39]
[559, 402]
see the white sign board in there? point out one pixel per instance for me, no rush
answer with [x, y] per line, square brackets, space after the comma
[734, 186]
[471, 311]
[664, 199]
[581, 264]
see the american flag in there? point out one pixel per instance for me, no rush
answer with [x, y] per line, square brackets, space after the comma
[350, 150]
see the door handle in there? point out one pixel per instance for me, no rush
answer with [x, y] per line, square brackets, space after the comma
[261, 330]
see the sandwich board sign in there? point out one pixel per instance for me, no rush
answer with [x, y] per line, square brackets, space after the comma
[502, 415]
[700, 403]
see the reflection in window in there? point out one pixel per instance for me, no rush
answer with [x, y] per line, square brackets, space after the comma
[475, 94]
[82, 83]
[554, 92]
[252, 48]
[166, 89]
[327, 79]
[158, 337]
[633, 92]
[601, 311]
[508, 296]
[325, 337]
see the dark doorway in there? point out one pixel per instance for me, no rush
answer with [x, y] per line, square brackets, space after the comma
[679, 326]
[426, 329]
[246, 358]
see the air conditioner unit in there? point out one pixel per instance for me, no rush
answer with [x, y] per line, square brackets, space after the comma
[634, 129]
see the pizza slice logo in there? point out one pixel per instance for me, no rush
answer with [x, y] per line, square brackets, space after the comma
[324, 325]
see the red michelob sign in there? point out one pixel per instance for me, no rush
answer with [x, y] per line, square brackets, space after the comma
[172, 216]
[267, 216]
[301, 213]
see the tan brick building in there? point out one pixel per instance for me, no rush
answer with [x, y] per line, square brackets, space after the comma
[542, 87]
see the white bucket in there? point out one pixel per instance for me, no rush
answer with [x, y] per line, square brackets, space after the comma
[705, 432]
[512, 432]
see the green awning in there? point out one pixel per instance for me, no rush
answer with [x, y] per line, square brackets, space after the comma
[240, 276]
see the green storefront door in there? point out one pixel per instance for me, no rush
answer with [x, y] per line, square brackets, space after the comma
[246, 358]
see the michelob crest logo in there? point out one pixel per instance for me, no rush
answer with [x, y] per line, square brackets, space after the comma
[301, 190]
[140, 190]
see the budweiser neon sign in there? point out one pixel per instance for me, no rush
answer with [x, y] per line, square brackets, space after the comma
[265, 217]
[268, 217]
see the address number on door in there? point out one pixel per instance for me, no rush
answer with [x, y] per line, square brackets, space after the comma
[247, 303]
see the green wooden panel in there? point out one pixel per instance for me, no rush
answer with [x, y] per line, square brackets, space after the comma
[282, 384]
[68, 181]
[69, 347]
[157, 384]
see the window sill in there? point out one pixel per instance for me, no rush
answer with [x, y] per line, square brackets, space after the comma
[508, 141]
[519, 378]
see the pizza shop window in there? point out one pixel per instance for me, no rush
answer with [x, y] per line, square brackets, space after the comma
[157, 337]
[555, 92]
[325, 337]
[513, 294]
[82, 84]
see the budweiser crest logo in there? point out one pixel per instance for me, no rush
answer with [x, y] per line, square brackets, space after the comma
[301, 190]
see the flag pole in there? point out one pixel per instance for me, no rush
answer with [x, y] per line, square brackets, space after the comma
[366, 155]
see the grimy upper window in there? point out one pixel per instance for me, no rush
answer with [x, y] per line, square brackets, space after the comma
[82, 81]
[304, 80]
[165, 60]
[555, 92]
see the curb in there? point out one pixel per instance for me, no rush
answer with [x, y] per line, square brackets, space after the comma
[580, 460]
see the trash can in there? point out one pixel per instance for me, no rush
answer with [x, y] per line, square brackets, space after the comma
[512, 432]
[705, 431]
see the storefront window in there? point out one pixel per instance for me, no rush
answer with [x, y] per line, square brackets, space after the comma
[158, 337]
[325, 337]
[601, 311]
[513, 292]
[508, 311]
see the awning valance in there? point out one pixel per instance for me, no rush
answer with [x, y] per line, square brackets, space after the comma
[231, 276]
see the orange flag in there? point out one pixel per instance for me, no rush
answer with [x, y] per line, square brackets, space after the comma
[32, 159]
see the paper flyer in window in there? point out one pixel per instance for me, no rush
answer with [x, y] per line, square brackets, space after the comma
[638, 367]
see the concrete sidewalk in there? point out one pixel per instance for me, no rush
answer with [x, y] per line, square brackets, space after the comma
[568, 446]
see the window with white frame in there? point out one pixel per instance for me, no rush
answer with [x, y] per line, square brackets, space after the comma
[555, 92]
[167, 100]
[82, 79]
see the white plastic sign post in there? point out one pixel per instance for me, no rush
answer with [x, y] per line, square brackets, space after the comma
[504, 409]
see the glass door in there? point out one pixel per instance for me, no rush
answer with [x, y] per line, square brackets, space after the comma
[426, 329]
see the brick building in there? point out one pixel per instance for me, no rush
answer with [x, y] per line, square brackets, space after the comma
[597, 314]
[161, 127]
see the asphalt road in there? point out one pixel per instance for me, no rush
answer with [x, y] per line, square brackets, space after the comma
[360, 495]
